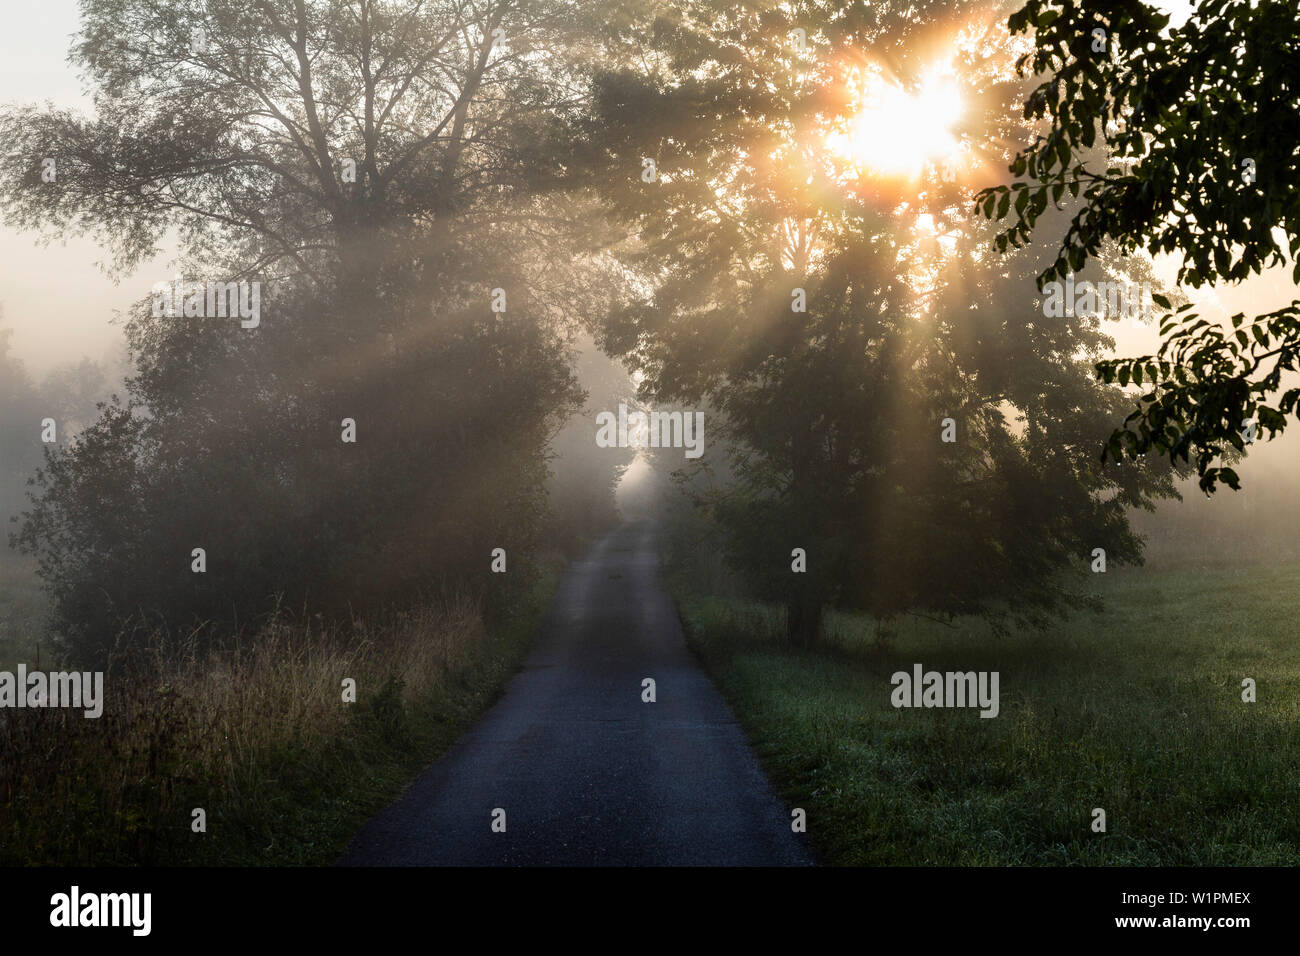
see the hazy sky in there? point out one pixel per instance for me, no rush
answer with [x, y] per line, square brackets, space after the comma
[57, 301]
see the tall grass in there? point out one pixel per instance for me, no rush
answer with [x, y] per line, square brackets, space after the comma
[256, 734]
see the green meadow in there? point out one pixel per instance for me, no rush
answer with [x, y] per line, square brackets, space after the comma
[1136, 710]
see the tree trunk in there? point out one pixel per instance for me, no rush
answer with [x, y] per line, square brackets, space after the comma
[803, 621]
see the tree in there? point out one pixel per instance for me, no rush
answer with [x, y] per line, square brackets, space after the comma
[389, 173]
[1198, 128]
[837, 411]
[68, 395]
[20, 419]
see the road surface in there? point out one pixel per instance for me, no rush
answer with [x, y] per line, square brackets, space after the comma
[586, 772]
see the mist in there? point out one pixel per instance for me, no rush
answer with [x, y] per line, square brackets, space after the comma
[600, 409]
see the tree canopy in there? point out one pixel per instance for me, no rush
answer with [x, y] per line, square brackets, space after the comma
[1198, 126]
[838, 343]
[436, 196]
[401, 181]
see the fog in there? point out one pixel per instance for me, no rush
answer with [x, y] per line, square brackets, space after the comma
[66, 350]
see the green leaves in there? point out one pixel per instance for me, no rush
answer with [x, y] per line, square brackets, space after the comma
[1189, 118]
[1205, 385]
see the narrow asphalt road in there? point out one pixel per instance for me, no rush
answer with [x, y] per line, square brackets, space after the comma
[586, 772]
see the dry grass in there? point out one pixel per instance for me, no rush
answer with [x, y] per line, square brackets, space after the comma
[256, 734]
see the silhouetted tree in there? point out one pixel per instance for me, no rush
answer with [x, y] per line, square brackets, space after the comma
[836, 413]
[1199, 127]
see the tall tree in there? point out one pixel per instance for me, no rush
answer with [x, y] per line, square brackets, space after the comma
[801, 296]
[398, 177]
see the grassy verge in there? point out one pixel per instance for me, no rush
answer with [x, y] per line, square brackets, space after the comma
[1137, 710]
[258, 737]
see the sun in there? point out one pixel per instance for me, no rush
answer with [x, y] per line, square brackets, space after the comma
[896, 132]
